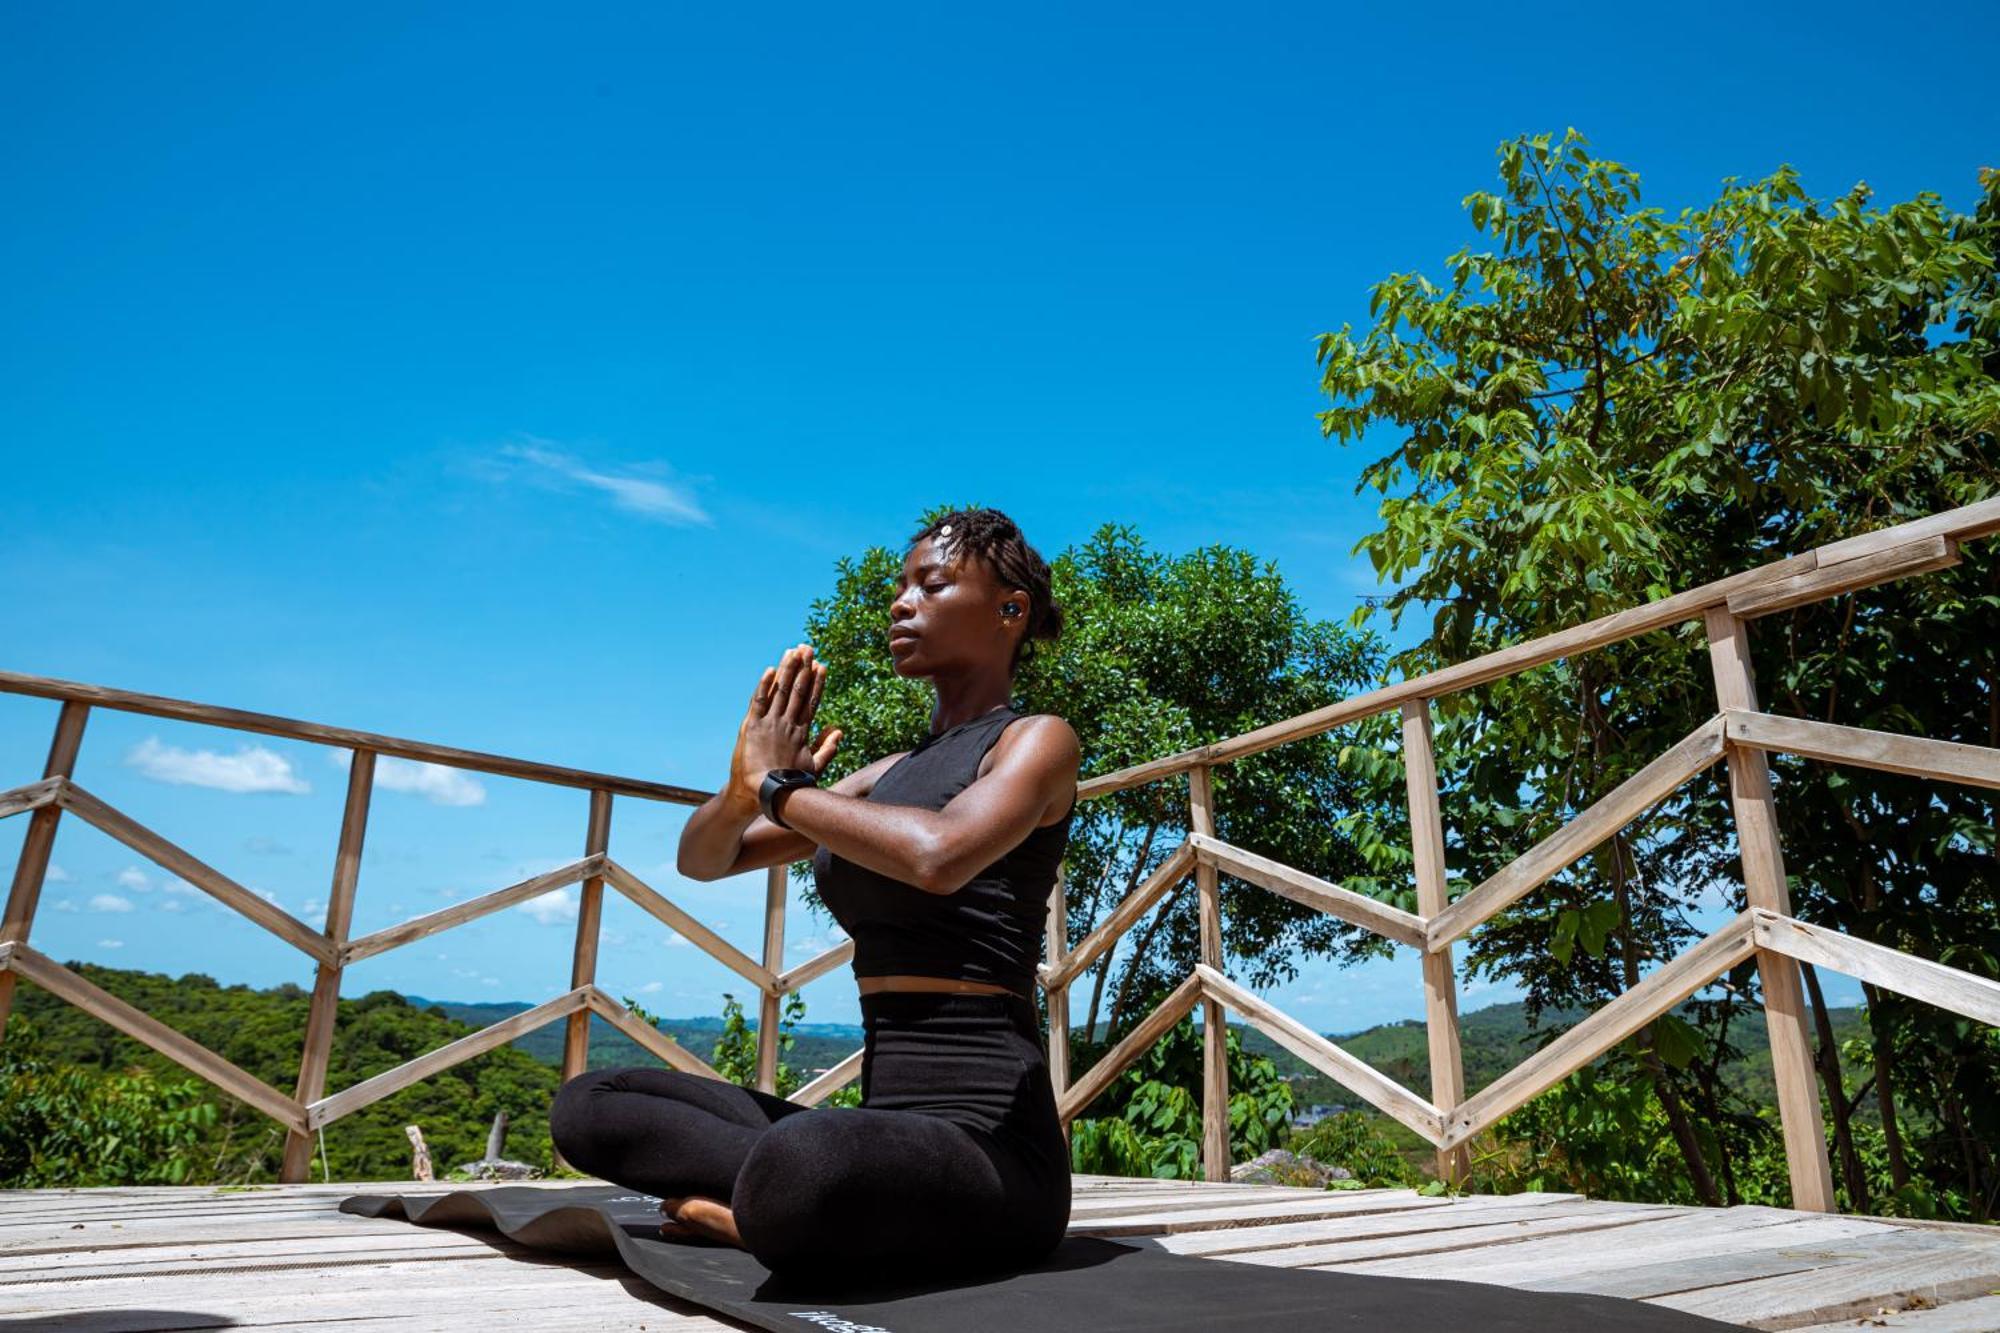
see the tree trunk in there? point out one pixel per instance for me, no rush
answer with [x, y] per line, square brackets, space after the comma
[1879, 1026]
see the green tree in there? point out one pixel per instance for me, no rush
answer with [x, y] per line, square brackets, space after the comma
[1604, 404]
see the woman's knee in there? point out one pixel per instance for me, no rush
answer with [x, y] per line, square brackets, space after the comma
[570, 1114]
[790, 1198]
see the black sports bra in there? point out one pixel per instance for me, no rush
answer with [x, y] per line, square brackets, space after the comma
[991, 929]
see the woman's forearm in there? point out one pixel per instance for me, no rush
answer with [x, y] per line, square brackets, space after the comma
[903, 842]
[713, 834]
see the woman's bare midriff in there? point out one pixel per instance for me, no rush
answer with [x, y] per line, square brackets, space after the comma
[870, 985]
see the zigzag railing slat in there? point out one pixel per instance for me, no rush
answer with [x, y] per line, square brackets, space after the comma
[408, 932]
[1127, 914]
[832, 1080]
[1350, 1071]
[646, 1035]
[31, 797]
[391, 1081]
[1897, 562]
[1974, 765]
[1557, 852]
[1114, 1061]
[813, 968]
[189, 1054]
[1356, 909]
[1664, 988]
[196, 872]
[666, 911]
[1891, 969]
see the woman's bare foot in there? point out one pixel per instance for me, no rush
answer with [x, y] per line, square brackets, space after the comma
[700, 1216]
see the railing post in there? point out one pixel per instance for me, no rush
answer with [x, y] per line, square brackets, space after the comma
[36, 845]
[1058, 996]
[325, 1005]
[589, 914]
[774, 961]
[1440, 989]
[1764, 886]
[1215, 1042]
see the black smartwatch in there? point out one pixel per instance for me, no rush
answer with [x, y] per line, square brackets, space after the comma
[782, 779]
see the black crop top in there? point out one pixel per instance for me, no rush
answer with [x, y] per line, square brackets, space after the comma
[991, 929]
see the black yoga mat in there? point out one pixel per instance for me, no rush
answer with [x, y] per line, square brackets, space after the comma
[1088, 1283]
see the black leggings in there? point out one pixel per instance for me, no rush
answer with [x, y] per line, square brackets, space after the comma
[955, 1160]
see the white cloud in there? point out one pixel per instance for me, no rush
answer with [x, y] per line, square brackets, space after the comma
[111, 944]
[110, 902]
[555, 908]
[180, 888]
[67, 905]
[312, 907]
[436, 783]
[489, 981]
[678, 942]
[652, 987]
[57, 875]
[131, 877]
[172, 905]
[251, 768]
[645, 496]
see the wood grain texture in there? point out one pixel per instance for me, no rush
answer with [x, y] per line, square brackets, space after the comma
[329, 1109]
[417, 928]
[684, 924]
[198, 873]
[1974, 765]
[1215, 1034]
[1123, 917]
[1114, 1061]
[589, 917]
[1934, 983]
[190, 1055]
[1351, 1072]
[1441, 1036]
[1660, 991]
[649, 1038]
[1895, 562]
[1358, 909]
[1605, 817]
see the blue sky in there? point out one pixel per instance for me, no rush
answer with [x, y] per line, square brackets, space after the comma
[512, 377]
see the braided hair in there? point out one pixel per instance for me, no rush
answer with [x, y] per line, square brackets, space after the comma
[996, 539]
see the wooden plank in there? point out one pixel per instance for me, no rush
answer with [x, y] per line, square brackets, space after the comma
[1918, 978]
[1440, 1223]
[1113, 1062]
[1980, 1314]
[1457, 1242]
[813, 968]
[325, 1005]
[31, 797]
[1420, 782]
[1309, 1205]
[646, 1035]
[197, 872]
[417, 928]
[589, 916]
[1848, 1290]
[1352, 1072]
[768, 1017]
[1826, 581]
[1167, 875]
[1786, 1022]
[1215, 1034]
[1763, 1253]
[1605, 817]
[154, 705]
[839, 1076]
[370, 1090]
[1961, 524]
[1974, 765]
[646, 896]
[1664, 988]
[32, 865]
[1390, 922]
[59, 981]
[1055, 940]
[1689, 1234]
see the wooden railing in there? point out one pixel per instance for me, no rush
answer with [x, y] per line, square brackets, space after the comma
[1739, 734]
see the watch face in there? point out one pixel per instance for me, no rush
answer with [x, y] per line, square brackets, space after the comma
[794, 775]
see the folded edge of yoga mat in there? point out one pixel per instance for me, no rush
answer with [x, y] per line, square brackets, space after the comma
[1087, 1283]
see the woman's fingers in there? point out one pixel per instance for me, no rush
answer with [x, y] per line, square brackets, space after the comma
[823, 756]
[805, 693]
[760, 694]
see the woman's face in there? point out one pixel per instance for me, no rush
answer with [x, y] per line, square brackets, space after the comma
[946, 613]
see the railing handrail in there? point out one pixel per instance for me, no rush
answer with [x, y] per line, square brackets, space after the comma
[269, 724]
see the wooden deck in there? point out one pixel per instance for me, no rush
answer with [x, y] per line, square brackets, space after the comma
[282, 1256]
